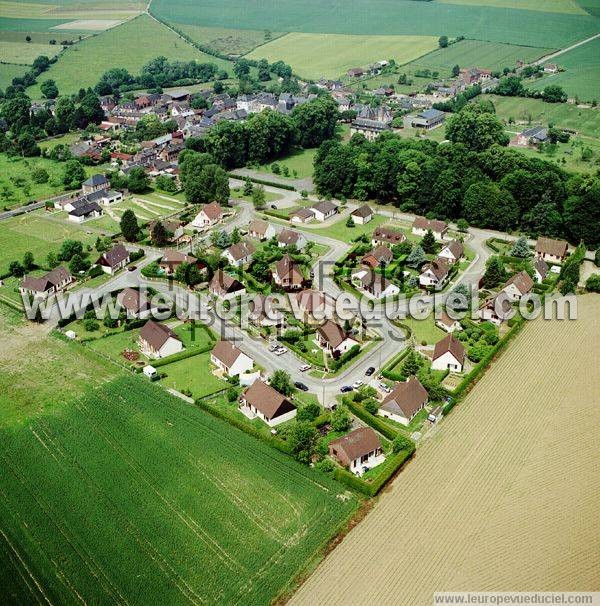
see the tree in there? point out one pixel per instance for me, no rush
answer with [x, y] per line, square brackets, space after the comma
[486, 205]
[27, 145]
[258, 197]
[308, 412]
[78, 263]
[428, 242]
[138, 181]
[16, 269]
[166, 183]
[248, 187]
[495, 273]
[416, 258]
[350, 222]
[74, 174]
[372, 406]
[592, 284]
[554, 94]
[129, 226]
[282, 382]
[220, 239]
[49, 89]
[241, 68]
[52, 260]
[597, 258]
[302, 439]
[28, 262]
[235, 236]
[443, 41]
[188, 273]
[455, 71]
[40, 175]
[70, 248]
[521, 248]
[476, 128]
[159, 234]
[340, 418]
[211, 183]
[412, 363]
[315, 121]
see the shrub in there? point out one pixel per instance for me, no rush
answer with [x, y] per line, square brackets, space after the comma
[593, 283]
[91, 325]
[401, 442]
[325, 465]
[371, 406]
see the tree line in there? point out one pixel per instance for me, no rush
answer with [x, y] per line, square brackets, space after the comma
[474, 177]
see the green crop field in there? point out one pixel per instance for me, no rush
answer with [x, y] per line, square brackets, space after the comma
[8, 72]
[29, 25]
[547, 6]
[535, 111]
[469, 53]
[83, 64]
[228, 41]
[129, 495]
[317, 55]
[582, 75]
[386, 17]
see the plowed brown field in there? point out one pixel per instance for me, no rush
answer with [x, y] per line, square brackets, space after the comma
[503, 497]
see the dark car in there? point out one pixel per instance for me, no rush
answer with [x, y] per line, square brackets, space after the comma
[300, 385]
[274, 206]
[370, 371]
[346, 388]
[131, 268]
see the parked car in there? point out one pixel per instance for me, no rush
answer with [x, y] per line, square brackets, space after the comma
[301, 386]
[357, 384]
[345, 388]
[280, 351]
[273, 346]
[305, 367]
[370, 371]
[131, 268]
[384, 387]
[274, 206]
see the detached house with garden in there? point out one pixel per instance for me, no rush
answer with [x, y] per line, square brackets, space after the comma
[158, 340]
[267, 404]
[359, 450]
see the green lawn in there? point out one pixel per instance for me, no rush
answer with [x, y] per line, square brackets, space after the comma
[581, 77]
[131, 495]
[424, 330]
[300, 160]
[339, 231]
[330, 55]
[194, 374]
[387, 18]
[84, 63]
[8, 72]
[237, 193]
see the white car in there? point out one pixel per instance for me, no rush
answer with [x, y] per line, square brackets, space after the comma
[305, 367]
[357, 384]
[273, 347]
[280, 351]
[384, 387]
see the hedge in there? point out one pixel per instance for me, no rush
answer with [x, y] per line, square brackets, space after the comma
[273, 441]
[393, 464]
[344, 358]
[375, 422]
[387, 372]
[263, 182]
[182, 355]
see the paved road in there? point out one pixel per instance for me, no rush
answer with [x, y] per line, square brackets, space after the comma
[562, 51]
[299, 184]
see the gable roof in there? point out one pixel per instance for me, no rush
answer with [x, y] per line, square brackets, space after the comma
[156, 334]
[57, 276]
[381, 253]
[95, 181]
[241, 250]
[133, 300]
[287, 268]
[223, 283]
[522, 281]
[363, 211]
[332, 333]
[85, 209]
[175, 257]
[406, 398]
[549, 246]
[456, 248]
[213, 211]
[289, 237]
[117, 254]
[354, 445]
[446, 320]
[303, 213]
[386, 234]
[259, 227]
[438, 267]
[541, 267]
[227, 353]
[449, 344]
[325, 207]
[267, 400]
[432, 224]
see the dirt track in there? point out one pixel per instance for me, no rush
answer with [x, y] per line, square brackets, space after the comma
[504, 497]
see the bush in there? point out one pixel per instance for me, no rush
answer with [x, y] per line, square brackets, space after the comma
[371, 406]
[593, 283]
[325, 465]
[401, 442]
[91, 325]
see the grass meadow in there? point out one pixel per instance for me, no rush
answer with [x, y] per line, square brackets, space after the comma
[9, 71]
[318, 55]
[82, 64]
[583, 120]
[569, 7]
[581, 77]
[129, 495]
[387, 17]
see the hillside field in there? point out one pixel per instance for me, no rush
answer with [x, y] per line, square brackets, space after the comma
[503, 495]
[386, 17]
[130, 495]
[548, 6]
[582, 75]
[317, 55]
[84, 63]
[8, 72]
[536, 111]
[470, 53]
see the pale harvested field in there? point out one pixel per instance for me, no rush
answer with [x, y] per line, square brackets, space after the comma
[89, 24]
[504, 497]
